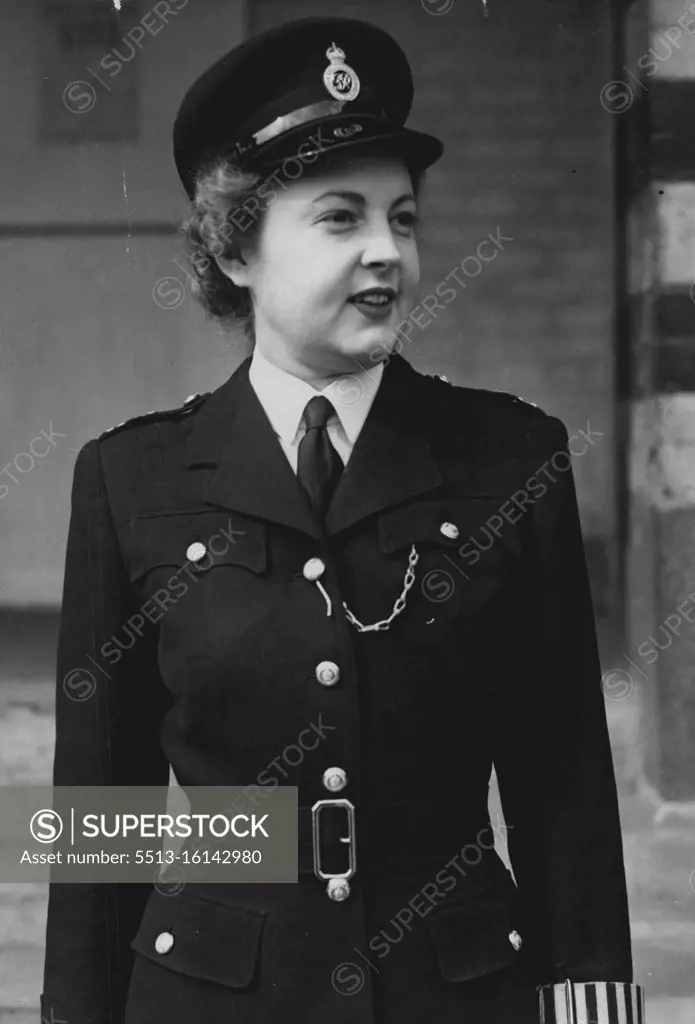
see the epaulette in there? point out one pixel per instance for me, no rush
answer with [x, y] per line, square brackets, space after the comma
[189, 406]
[525, 401]
[517, 398]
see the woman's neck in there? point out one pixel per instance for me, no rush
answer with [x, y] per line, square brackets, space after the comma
[318, 377]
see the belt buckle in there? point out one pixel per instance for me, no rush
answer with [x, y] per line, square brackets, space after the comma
[350, 839]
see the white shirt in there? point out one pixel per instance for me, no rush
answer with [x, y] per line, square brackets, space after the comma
[284, 398]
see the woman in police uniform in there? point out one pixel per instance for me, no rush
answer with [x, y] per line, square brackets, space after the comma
[348, 485]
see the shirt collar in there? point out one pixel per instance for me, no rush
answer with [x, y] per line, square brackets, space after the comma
[284, 396]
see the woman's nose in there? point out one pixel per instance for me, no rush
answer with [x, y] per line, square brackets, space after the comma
[380, 246]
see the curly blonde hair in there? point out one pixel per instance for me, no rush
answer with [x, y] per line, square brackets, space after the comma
[213, 231]
[225, 212]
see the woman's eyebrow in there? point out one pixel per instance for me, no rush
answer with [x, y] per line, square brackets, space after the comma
[357, 197]
[354, 197]
[403, 198]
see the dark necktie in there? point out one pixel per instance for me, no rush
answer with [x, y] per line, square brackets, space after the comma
[318, 464]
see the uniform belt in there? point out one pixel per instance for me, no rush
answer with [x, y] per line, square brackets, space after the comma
[385, 836]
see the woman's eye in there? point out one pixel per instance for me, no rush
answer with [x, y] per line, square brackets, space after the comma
[406, 219]
[340, 217]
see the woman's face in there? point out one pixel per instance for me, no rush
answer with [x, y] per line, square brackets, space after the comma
[335, 267]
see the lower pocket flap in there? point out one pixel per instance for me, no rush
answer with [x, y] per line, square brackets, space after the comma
[477, 935]
[200, 938]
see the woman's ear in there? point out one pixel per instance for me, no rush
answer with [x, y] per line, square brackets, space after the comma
[235, 268]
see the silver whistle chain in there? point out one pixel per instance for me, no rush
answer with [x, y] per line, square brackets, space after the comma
[398, 607]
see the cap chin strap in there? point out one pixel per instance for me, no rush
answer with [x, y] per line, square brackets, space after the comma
[314, 112]
[325, 108]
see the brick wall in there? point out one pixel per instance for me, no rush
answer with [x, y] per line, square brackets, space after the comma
[87, 229]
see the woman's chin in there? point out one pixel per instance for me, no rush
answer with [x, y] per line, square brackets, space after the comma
[373, 343]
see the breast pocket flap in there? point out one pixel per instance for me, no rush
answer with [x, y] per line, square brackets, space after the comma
[202, 939]
[196, 541]
[457, 525]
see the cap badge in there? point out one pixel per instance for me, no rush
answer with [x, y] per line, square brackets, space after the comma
[339, 78]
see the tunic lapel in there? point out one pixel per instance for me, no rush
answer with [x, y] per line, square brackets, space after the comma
[390, 462]
[253, 476]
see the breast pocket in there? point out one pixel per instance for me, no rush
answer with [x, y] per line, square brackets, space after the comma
[200, 577]
[193, 544]
[469, 554]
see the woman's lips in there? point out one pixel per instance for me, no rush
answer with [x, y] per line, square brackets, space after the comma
[373, 310]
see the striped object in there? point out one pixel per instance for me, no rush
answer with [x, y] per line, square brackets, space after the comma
[592, 1002]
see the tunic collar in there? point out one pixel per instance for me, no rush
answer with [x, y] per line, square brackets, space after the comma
[284, 396]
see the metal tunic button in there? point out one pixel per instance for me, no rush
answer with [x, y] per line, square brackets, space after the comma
[164, 942]
[334, 779]
[515, 940]
[338, 889]
[313, 569]
[196, 551]
[449, 530]
[327, 673]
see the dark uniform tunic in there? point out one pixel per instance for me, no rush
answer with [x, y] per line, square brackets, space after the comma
[493, 660]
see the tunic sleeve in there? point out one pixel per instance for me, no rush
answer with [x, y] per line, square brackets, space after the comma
[107, 716]
[554, 764]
